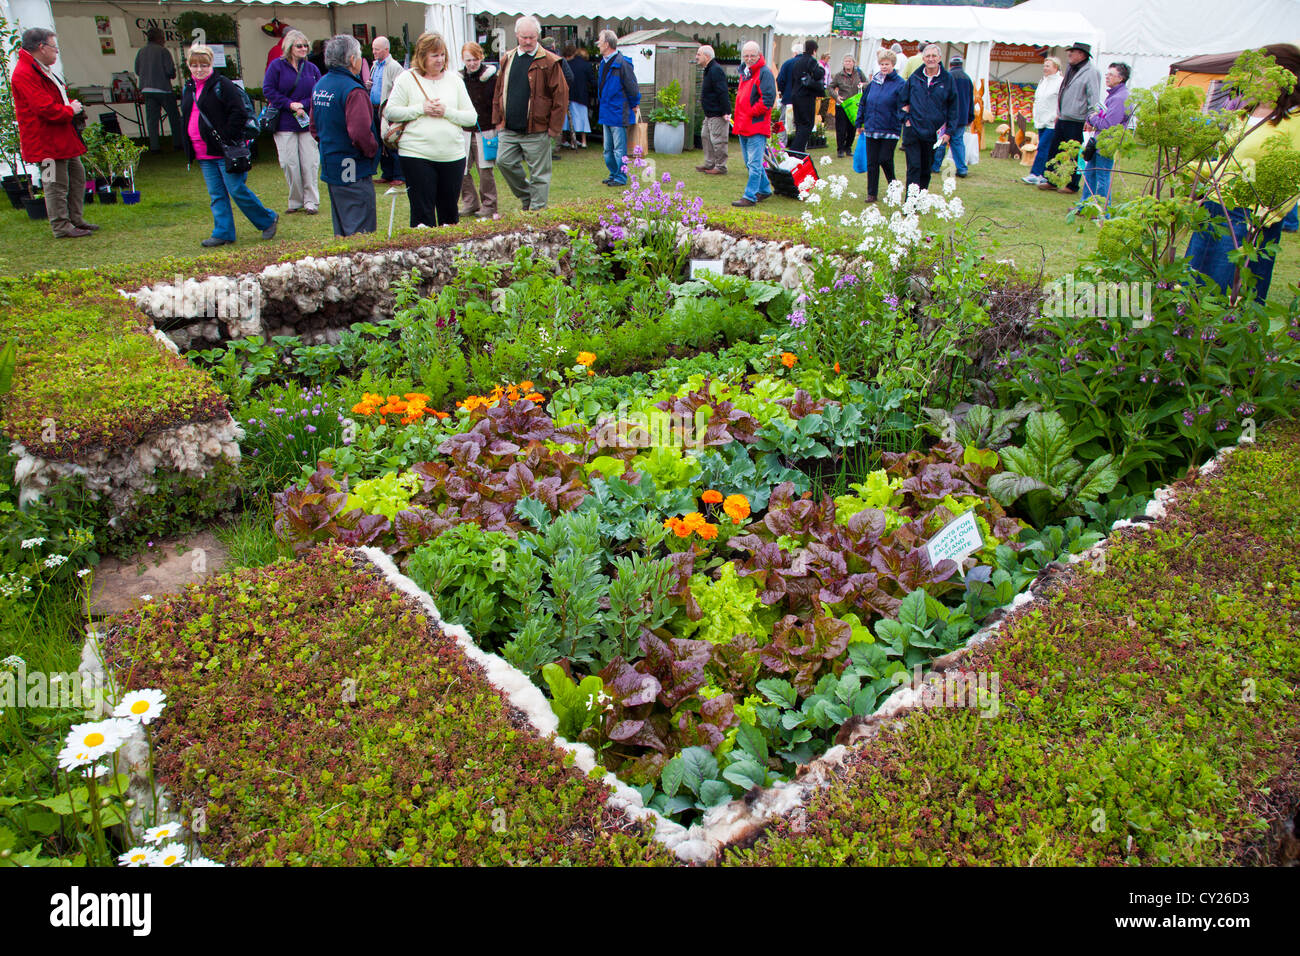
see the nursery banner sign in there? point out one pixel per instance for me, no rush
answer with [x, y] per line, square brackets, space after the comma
[848, 18]
[957, 539]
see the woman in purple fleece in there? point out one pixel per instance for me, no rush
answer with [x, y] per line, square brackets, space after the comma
[1113, 112]
[287, 86]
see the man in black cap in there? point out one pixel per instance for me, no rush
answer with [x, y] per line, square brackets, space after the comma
[1080, 96]
[965, 91]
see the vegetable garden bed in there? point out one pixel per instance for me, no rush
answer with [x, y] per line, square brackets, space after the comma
[709, 517]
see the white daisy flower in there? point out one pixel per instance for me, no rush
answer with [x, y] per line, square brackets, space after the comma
[139, 856]
[141, 705]
[90, 741]
[201, 861]
[166, 831]
[170, 855]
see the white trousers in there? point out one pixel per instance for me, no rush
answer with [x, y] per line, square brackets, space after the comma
[300, 160]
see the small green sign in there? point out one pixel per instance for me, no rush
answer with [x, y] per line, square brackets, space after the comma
[848, 17]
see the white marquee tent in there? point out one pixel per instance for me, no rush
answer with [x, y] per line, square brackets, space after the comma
[1151, 34]
[978, 28]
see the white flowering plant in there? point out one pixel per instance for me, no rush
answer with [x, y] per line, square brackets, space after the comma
[879, 320]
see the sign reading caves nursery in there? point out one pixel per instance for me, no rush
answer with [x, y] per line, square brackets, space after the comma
[955, 540]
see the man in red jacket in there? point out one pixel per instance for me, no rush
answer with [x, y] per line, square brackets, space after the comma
[47, 131]
[753, 115]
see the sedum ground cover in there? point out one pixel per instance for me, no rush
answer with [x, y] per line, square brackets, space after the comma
[1149, 713]
[319, 718]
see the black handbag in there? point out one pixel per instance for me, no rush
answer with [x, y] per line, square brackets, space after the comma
[238, 157]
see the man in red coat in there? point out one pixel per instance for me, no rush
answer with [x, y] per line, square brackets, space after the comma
[48, 134]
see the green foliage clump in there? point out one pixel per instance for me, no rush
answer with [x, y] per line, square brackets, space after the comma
[391, 749]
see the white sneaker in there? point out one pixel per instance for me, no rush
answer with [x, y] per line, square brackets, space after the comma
[1032, 180]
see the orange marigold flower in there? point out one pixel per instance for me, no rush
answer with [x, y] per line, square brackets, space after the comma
[788, 359]
[711, 497]
[416, 397]
[586, 358]
[361, 408]
[695, 520]
[590, 372]
[680, 528]
[708, 531]
[526, 386]
[736, 507]
[441, 415]
[837, 368]
[534, 397]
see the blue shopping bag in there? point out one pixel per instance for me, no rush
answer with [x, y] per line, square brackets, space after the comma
[860, 153]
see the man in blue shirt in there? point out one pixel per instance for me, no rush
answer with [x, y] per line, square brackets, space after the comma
[965, 90]
[619, 101]
[382, 77]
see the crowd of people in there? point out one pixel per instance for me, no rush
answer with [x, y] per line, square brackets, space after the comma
[340, 119]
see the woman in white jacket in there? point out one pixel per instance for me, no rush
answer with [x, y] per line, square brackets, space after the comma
[1045, 119]
[435, 106]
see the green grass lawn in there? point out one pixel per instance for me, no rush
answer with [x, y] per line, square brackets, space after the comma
[173, 215]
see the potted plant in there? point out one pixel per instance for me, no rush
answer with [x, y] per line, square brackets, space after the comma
[35, 205]
[98, 161]
[670, 120]
[128, 160]
[17, 185]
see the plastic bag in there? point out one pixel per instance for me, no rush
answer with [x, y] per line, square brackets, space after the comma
[860, 153]
[850, 107]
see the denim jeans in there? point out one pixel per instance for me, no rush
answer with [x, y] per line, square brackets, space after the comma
[1041, 154]
[751, 150]
[616, 152]
[1209, 253]
[1291, 222]
[224, 186]
[1096, 178]
[958, 152]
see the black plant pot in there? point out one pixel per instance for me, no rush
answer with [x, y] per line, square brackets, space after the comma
[16, 192]
[106, 196]
[90, 194]
[120, 182]
[36, 209]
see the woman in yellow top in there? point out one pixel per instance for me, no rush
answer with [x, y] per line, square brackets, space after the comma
[436, 107]
[1208, 251]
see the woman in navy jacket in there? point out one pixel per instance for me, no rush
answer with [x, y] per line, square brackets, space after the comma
[930, 101]
[880, 117]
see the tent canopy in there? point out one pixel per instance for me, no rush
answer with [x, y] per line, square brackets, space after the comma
[793, 17]
[1181, 28]
[978, 25]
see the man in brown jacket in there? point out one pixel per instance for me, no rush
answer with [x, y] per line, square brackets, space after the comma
[528, 110]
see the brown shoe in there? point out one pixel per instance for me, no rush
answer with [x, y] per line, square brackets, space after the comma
[1046, 185]
[290, 212]
[74, 234]
[764, 197]
[870, 199]
[704, 169]
[716, 171]
[1067, 190]
[86, 225]
[744, 203]
[311, 212]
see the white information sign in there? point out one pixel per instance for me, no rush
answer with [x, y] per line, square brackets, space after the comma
[956, 540]
[218, 55]
[643, 64]
[705, 265]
